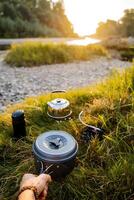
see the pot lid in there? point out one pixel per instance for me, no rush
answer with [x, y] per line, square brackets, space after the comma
[58, 103]
[55, 146]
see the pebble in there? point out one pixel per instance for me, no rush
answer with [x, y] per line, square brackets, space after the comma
[18, 83]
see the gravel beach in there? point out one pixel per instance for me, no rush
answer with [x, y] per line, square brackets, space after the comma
[18, 83]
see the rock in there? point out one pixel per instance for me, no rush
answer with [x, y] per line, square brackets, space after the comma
[18, 83]
[130, 40]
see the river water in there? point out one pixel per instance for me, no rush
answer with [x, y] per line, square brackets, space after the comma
[83, 42]
[70, 41]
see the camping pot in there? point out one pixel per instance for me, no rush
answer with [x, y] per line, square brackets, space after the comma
[90, 131]
[59, 108]
[55, 153]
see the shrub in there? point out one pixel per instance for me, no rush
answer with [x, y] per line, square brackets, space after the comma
[128, 54]
[30, 54]
[115, 43]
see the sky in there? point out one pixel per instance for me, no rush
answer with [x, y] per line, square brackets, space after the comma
[86, 14]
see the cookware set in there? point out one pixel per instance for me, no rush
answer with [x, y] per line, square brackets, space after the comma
[55, 151]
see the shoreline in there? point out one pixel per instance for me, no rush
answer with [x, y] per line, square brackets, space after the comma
[19, 83]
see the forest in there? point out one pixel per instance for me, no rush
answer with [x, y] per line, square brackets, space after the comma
[34, 18]
[122, 28]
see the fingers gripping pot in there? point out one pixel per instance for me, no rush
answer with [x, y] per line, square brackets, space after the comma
[59, 108]
[55, 153]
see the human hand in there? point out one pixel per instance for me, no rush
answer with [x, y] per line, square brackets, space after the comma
[39, 182]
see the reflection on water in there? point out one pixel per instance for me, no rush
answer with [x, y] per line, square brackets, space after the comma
[83, 42]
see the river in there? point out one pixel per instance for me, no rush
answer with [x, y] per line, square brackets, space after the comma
[83, 42]
[69, 41]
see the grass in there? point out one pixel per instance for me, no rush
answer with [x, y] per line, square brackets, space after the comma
[105, 169]
[36, 53]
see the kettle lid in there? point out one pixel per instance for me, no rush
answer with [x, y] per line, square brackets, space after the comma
[58, 103]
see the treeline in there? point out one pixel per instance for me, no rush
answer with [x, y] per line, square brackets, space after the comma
[33, 18]
[124, 27]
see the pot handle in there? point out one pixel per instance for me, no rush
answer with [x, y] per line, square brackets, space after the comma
[59, 91]
[44, 171]
[87, 125]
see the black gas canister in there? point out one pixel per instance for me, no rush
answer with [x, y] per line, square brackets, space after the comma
[19, 125]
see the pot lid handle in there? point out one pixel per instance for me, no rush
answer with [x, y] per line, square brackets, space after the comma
[55, 143]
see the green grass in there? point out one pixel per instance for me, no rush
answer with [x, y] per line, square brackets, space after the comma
[36, 53]
[105, 169]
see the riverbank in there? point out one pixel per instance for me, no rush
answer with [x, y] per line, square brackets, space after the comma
[18, 83]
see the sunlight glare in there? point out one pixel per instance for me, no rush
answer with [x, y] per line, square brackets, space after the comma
[86, 14]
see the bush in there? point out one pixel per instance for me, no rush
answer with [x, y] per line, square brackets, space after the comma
[128, 54]
[30, 54]
[115, 43]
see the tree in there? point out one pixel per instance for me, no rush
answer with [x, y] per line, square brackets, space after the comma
[25, 15]
[108, 28]
[127, 23]
[125, 26]
[8, 10]
[62, 23]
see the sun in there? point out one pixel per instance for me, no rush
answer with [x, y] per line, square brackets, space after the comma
[81, 14]
[86, 14]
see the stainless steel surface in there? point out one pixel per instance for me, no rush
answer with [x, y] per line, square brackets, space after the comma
[59, 108]
[60, 117]
[58, 104]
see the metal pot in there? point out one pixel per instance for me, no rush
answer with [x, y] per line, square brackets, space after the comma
[89, 131]
[55, 153]
[59, 108]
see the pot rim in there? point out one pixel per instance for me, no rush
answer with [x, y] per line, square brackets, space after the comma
[65, 152]
[68, 158]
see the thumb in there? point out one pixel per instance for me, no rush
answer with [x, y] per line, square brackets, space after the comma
[45, 178]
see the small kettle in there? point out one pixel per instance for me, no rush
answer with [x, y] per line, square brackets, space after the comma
[59, 108]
